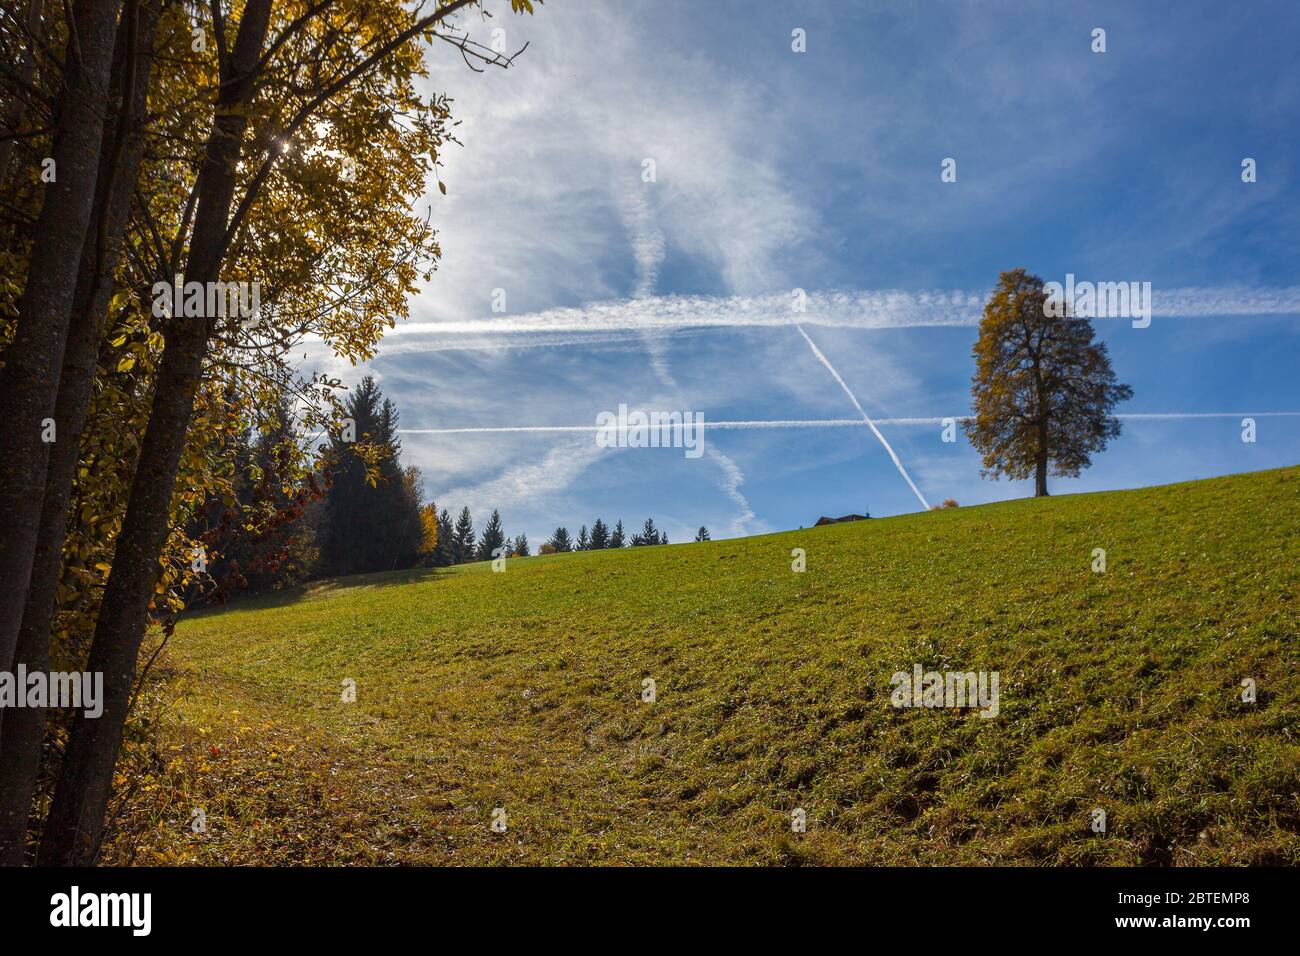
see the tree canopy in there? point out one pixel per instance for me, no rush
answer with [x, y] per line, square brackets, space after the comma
[1043, 391]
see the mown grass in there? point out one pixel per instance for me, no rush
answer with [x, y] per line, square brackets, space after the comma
[522, 690]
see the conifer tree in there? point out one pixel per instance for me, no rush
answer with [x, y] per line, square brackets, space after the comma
[462, 547]
[446, 551]
[372, 511]
[649, 535]
[491, 543]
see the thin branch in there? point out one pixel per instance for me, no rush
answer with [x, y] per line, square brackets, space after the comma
[254, 188]
[289, 31]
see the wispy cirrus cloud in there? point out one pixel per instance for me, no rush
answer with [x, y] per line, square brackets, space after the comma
[529, 482]
[776, 170]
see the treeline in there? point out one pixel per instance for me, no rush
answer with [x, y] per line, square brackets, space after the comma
[361, 511]
[456, 544]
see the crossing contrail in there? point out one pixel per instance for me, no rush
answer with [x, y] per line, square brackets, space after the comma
[865, 417]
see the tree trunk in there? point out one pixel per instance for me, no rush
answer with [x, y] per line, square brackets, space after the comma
[30, 378]
[120, 154]
[25, 71]
[1040, 469]
[76, 819]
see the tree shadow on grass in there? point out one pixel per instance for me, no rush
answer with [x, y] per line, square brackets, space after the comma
[321, 588]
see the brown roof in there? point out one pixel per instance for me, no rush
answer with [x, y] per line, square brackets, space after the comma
[825, 520]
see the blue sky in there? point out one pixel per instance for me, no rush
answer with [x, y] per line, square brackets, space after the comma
[821, 170]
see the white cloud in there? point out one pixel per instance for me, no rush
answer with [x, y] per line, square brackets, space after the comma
[732, 479]
[529, 482]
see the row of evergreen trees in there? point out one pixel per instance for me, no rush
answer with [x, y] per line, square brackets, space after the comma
[361, 512]
[455, 542]
[449, 543]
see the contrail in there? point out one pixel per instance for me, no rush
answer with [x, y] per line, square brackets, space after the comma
[883, 309]
[706, 425]
[738, 425]
[865, 417]
[1159, 415]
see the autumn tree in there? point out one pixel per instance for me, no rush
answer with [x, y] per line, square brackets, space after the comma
[429, 529]
[1043, 390]
[288, 151]
[254, 533]
[100, 119]
[29, 379]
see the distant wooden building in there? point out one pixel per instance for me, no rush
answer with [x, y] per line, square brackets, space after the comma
[825, 520]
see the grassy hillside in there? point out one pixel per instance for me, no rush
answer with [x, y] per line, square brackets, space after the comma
[522, 690]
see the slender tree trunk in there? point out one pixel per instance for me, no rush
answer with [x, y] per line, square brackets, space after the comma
[1040, 469]
[25, 71]
[76, 819]
[30, 377]
[120, 155]
[1042, 402]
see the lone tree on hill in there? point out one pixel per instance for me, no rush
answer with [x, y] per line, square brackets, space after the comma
[1043, 389]
[702, 535]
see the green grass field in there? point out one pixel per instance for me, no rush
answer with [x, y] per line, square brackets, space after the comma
[522, 690]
